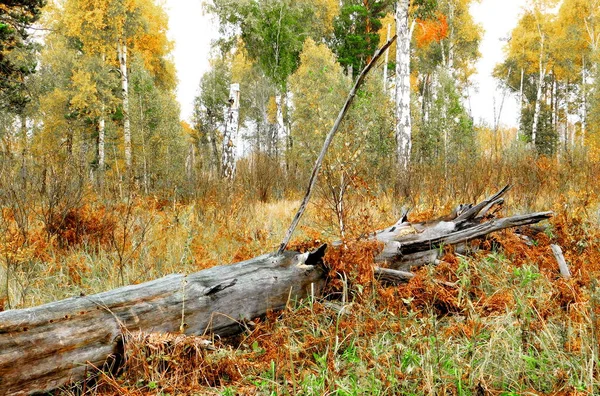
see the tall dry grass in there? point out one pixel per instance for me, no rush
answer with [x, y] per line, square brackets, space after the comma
[498, 322]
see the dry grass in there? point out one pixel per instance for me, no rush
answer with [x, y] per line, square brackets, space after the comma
[500, 321]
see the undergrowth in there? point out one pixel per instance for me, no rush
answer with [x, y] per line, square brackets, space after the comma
[498, 321]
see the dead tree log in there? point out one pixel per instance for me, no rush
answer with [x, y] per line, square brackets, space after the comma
[48, 346]
[407, 245]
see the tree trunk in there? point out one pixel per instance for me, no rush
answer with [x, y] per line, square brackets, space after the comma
[538, 97]
[406, 251]
[122, 53]
[450, 64]
[583, 103]
[555, 106]
[230, 134]
[279, 124]
[190, 162]
[407, 245]
[101, 132]
[69, 141]
[403, 120]
[83, 148]
[520, 99]
[563, 267]
[56, 341]
[24, 149]
[215, 164]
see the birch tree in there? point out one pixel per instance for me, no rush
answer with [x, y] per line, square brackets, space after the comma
[230, 134]
[273, 32]
[209, 112]
[532, 48]
[114, 30]
[577, 46]
[403, 118]
[89, 50]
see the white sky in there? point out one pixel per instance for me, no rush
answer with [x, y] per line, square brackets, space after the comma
[192, 32]
[498, 18]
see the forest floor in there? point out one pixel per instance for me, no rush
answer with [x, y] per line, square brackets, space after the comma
[499, 321]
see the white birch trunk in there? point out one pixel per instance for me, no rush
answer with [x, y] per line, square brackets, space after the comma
[279, 124]
[450, 40]
[538, 101]
[554, 103]
[190, 162]
[520, 103]
[122, 53]
[101, 132]
[583, 104]
[403, 120]
[143, 136]
[230, 135]
[286, 124]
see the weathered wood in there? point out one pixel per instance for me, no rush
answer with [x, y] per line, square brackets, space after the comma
[416, 244]
[418, 259]
[480, 208]
[392, 276]
[445, 233]
[45, 347]
[563, 267]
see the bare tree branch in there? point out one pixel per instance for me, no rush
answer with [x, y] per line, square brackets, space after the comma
[328, 139]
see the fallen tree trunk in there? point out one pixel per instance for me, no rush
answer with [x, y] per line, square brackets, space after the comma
[48, 346]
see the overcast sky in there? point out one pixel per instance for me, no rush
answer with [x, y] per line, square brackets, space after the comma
[192, 32]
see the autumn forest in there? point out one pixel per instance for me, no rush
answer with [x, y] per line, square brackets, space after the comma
[141, 253]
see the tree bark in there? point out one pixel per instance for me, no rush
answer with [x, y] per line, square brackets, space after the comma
[122, 54]
[403, 119]
[101, 132]
[230, 135]
[57, 341]
[520, 99]
[538, 97]
[400, 249]
[279, 125]
[583, 103]
[563, 267]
